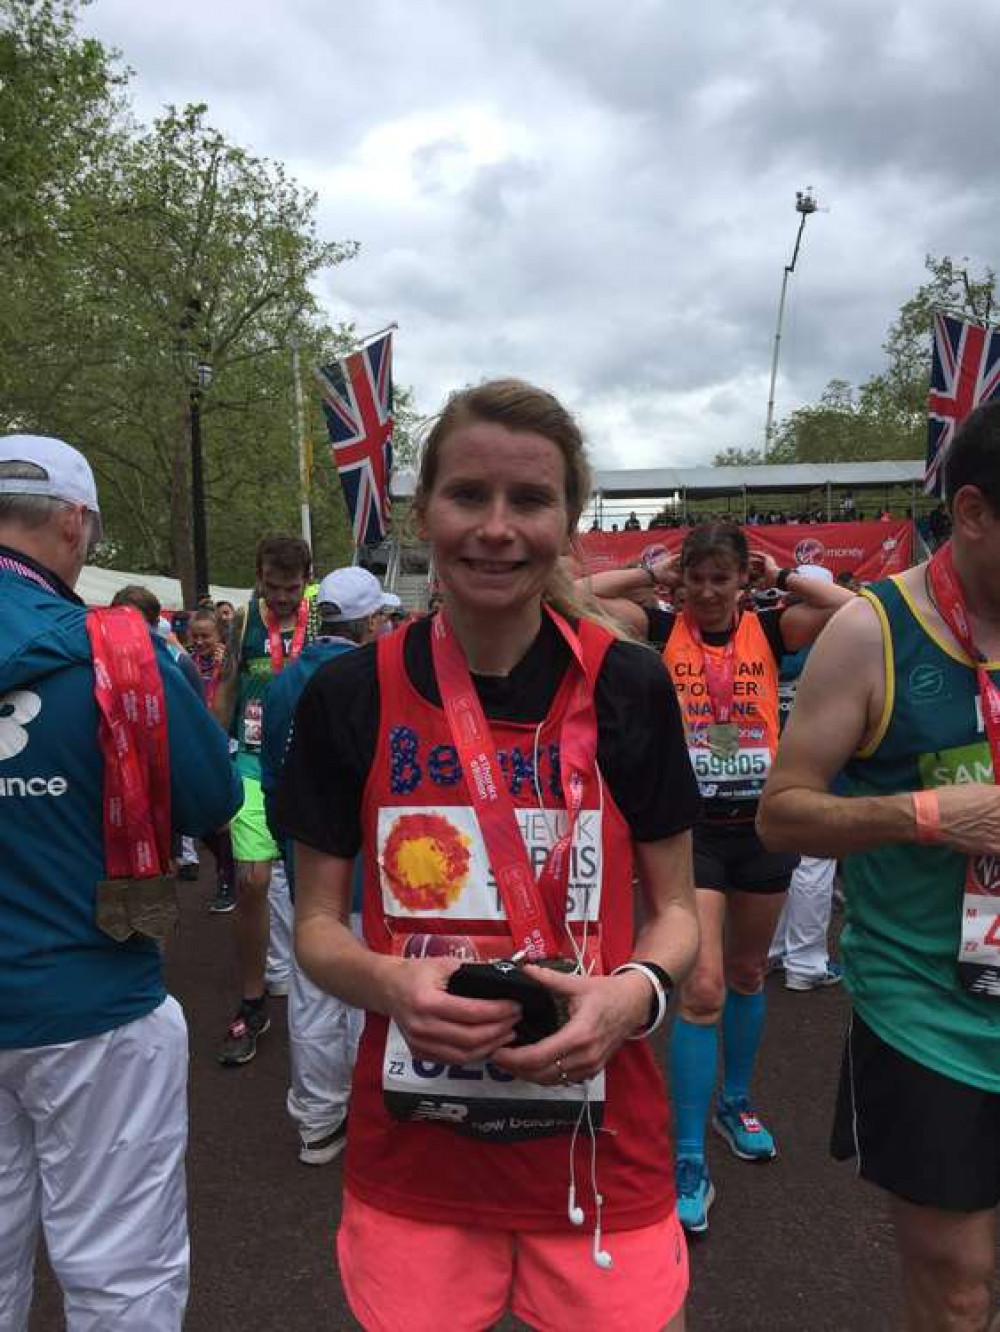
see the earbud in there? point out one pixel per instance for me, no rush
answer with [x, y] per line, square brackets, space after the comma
[602, 1258]
[575, 1212]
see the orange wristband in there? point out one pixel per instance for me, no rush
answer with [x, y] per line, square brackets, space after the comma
[927, 813]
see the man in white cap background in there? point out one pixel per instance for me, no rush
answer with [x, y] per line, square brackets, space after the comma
[393, 613]
[323, 1032]
[93, 1052]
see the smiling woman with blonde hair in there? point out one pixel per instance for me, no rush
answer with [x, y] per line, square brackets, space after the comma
[502, 768]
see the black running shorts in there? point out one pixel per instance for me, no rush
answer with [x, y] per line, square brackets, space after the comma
[731, 857]
[919, 1135]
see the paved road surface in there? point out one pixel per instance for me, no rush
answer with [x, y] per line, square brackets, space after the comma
[795, 1246]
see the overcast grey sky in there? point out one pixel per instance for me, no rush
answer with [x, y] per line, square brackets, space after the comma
[600, 197]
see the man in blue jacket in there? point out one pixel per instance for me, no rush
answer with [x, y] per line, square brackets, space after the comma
[323, 1032]
[93, 1052]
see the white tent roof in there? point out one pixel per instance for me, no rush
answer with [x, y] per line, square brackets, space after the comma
[97, 587]
[767, 477]
[762, 477]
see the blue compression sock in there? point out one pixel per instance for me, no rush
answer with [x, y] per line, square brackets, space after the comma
[742, 1026]
[694, 1052]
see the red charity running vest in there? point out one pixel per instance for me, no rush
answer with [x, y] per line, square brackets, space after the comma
[426, 1170]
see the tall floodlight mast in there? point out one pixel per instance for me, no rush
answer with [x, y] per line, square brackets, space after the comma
[805, 203]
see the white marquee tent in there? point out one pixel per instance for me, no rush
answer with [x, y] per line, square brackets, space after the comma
[97, 587]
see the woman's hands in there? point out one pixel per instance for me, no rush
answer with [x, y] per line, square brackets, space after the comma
[446, 1028]
[666, 572]
[443, 1027]
[604, 1011]
[763, 570]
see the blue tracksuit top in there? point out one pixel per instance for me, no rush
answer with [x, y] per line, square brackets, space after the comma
[282, 699]
[61, 978]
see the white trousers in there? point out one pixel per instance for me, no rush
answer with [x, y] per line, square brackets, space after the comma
[805, 919]
[279, 944]
[189, 852]
[323, 1036]
[92, 1141]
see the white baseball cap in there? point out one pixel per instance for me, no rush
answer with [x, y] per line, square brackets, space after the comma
[391, 603]
[40, 465]
[353, 591]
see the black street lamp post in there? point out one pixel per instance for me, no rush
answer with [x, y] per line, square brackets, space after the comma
[202, 379]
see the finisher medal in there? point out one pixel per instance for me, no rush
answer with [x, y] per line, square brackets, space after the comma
[724, 739]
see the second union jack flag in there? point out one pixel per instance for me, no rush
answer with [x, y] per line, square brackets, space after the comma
[357, 403]
[965, 371]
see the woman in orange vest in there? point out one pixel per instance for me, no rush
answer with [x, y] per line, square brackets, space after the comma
[724, 663]
[504, 768]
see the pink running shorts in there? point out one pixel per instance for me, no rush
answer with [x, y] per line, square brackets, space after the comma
[412, 1276]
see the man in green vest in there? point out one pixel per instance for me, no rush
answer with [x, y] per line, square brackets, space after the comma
[269, 632]
[901, 691]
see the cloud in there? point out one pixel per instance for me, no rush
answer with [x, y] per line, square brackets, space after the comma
[605, 203]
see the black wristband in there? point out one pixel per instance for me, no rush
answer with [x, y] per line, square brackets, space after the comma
[781, 582]
[664, 979]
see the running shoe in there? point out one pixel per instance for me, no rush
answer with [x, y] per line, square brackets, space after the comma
[739, 1125]
[695, 1194]
[223, 900]
[322, 1150]
[833, 975]
[240, 1044]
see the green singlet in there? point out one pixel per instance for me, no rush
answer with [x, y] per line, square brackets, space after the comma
[904, 903]
[255, 674]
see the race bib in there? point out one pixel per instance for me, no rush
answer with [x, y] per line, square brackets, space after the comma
[481, 1100]
[979, 949]
[739, 776]
[253, 721]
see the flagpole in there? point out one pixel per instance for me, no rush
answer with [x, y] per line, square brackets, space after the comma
[372, 336]
[300, 437]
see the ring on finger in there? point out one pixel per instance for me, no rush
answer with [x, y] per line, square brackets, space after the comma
[563, 1078]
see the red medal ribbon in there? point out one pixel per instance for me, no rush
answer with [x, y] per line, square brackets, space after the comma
[950, 601]
[274, 640]
[531, 907]
[720, 676]
[132, 736]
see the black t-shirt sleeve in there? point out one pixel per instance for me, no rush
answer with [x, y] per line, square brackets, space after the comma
[661, 622]
[770, 622]
[641, 745]
[334, 734]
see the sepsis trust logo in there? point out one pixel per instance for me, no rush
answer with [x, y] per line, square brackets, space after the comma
[17, 709]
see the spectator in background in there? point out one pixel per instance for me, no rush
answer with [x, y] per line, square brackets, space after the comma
[224, 613]
[632, 523]
[939, 524]
[208, 653]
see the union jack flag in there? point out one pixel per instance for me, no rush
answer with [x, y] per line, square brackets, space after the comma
[357, 403]
[965, 371]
